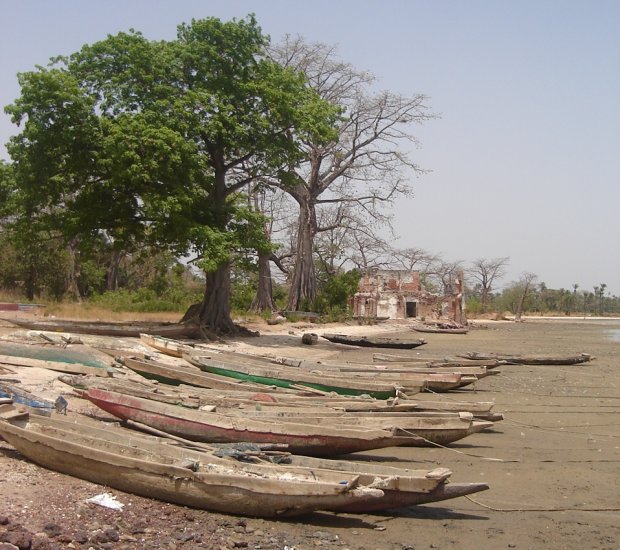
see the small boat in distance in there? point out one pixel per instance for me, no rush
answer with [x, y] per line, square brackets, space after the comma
[440, 328]
[374, 341]
[517, 359]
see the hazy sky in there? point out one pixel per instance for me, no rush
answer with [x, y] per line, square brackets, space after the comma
[525, 159]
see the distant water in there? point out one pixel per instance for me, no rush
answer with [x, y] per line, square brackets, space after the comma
[614, 334]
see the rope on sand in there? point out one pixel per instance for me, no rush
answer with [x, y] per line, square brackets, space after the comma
[413, 434]
[540, 509]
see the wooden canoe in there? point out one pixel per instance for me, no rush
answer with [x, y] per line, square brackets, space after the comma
[435, 362]
[58, 366]
[374, 341]
[531, 359]
[190, 479]
[407, 376]
[213, 427]
[23, 397]
[403, 488]
[82, 355]
[76, 359]
[194, 397]
[439, 328]
[289, 377]
[167, 346]
[191, 375]
[241, 396]
[404, 368]
[11, 306]
[171, 330]
[400, 486]
[426, 428]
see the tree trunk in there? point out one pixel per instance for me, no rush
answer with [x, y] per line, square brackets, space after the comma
[113, 269]
[30, 282]
[214, 312]
[485, 298]
[303, 285]
[521, 303]
[263, 301]
[71, 279]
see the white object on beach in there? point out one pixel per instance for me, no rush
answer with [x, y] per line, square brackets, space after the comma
[107, 500]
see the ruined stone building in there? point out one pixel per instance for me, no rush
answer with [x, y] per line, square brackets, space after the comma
[399, 294]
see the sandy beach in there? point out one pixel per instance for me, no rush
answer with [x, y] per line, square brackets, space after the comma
[553, 463]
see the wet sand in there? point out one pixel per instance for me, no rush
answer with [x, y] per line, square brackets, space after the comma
[553, 463]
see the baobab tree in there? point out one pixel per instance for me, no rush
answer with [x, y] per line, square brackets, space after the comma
[525, 285]
[485, 272]
[413, 258]
[368, 250]
[356, 240]
[363, 168]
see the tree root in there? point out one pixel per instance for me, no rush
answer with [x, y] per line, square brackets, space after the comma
[244, 331]
[192, 317]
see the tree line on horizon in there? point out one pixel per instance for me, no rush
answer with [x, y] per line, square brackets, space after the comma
[528, 295]
[185, 171]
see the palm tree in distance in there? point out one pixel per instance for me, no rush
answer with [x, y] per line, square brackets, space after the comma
[602, 288]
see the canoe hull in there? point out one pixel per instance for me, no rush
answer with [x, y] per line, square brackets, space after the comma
[231, 494]
[378, 342]
[172, 330]
[285, 377]
[214, 428]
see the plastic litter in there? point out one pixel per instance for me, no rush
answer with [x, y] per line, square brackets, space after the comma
[106, 500]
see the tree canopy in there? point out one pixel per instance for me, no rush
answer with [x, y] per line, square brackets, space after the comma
[154, 142]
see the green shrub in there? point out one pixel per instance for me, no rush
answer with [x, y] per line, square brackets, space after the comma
[146, 300]
[334, 296]
[241, 295]
[473, 305]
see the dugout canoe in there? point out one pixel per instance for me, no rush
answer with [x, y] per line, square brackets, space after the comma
[425, 428]
[446, 362]
[20, 396]
[190, 479]
[175, 375]
[77, 360]
[271, 399]
[517, 359]
[401, 487]
[133, 330]
[374, 341]
[12, 306]
[167, 346]
[439, 328]
[212, 427]
[292, 378]
[435, 380]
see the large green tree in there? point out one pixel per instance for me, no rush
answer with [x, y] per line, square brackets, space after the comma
[154, 142]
